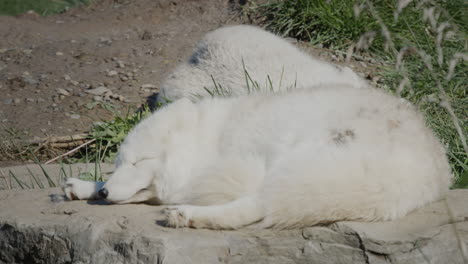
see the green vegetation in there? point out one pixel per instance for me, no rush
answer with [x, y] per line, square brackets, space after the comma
[422, 43]
[42, 7]
[251, 85]
[109, 135]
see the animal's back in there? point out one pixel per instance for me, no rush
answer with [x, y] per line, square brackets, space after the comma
[338, 154]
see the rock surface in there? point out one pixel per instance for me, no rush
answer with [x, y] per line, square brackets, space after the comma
[56, 172]
[36, 227]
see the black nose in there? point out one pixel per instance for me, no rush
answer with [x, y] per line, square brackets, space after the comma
[103, 193]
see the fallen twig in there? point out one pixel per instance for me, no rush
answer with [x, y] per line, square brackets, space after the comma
[71, 151]
[57, 142]
[67, 145]
[58, 139]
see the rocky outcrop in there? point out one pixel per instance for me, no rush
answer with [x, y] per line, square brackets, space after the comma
[37, 226]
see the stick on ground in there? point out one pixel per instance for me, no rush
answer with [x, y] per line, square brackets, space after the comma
[71, 151]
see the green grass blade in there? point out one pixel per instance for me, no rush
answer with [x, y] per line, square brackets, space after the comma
[21, 184]
[38, 182]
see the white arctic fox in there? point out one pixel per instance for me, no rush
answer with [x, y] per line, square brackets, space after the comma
[283, 160]
[225, 54]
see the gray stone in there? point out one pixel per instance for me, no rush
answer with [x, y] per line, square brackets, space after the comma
[148, 86]
[38, 226]
[43, 77]
[112, 73]
[106, 41]
[30, 80]
[62, 91]
[75, 116]
[120, 64]
[85, 86]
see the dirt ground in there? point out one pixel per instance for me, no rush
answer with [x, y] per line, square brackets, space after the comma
[61, 73]
[49, 65]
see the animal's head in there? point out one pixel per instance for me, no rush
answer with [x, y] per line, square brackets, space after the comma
[142, 163]
[132, 182]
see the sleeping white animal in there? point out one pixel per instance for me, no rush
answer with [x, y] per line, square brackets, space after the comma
[237, 57]
[283, 160]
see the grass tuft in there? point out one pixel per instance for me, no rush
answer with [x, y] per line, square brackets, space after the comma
[109, 135]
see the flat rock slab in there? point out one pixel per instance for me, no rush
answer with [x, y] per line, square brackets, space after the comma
[31, 174]
[37, 226]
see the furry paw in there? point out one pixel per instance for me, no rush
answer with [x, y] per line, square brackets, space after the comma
[179, 216]
[76, 189]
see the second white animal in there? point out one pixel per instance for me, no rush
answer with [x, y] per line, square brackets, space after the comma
[235, 57]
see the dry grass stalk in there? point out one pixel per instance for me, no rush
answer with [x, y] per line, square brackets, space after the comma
[71, 151]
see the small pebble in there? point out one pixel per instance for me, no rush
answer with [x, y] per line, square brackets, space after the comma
[149, 86]
[75, 116]
[62, 91]
[85, 85]
[112, 73]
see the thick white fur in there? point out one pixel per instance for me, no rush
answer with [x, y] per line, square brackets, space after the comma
[282, 160]
[222, 54]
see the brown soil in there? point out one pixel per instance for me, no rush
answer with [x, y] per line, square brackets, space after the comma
[48, 63]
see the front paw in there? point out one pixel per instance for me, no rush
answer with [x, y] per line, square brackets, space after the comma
[76, 189]
[178, 217]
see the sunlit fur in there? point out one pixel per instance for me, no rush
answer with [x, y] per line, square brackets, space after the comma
[226, 54]
[283, 160]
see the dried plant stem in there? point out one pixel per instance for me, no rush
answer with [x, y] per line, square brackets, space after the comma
[57, 140]
[71, 151]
